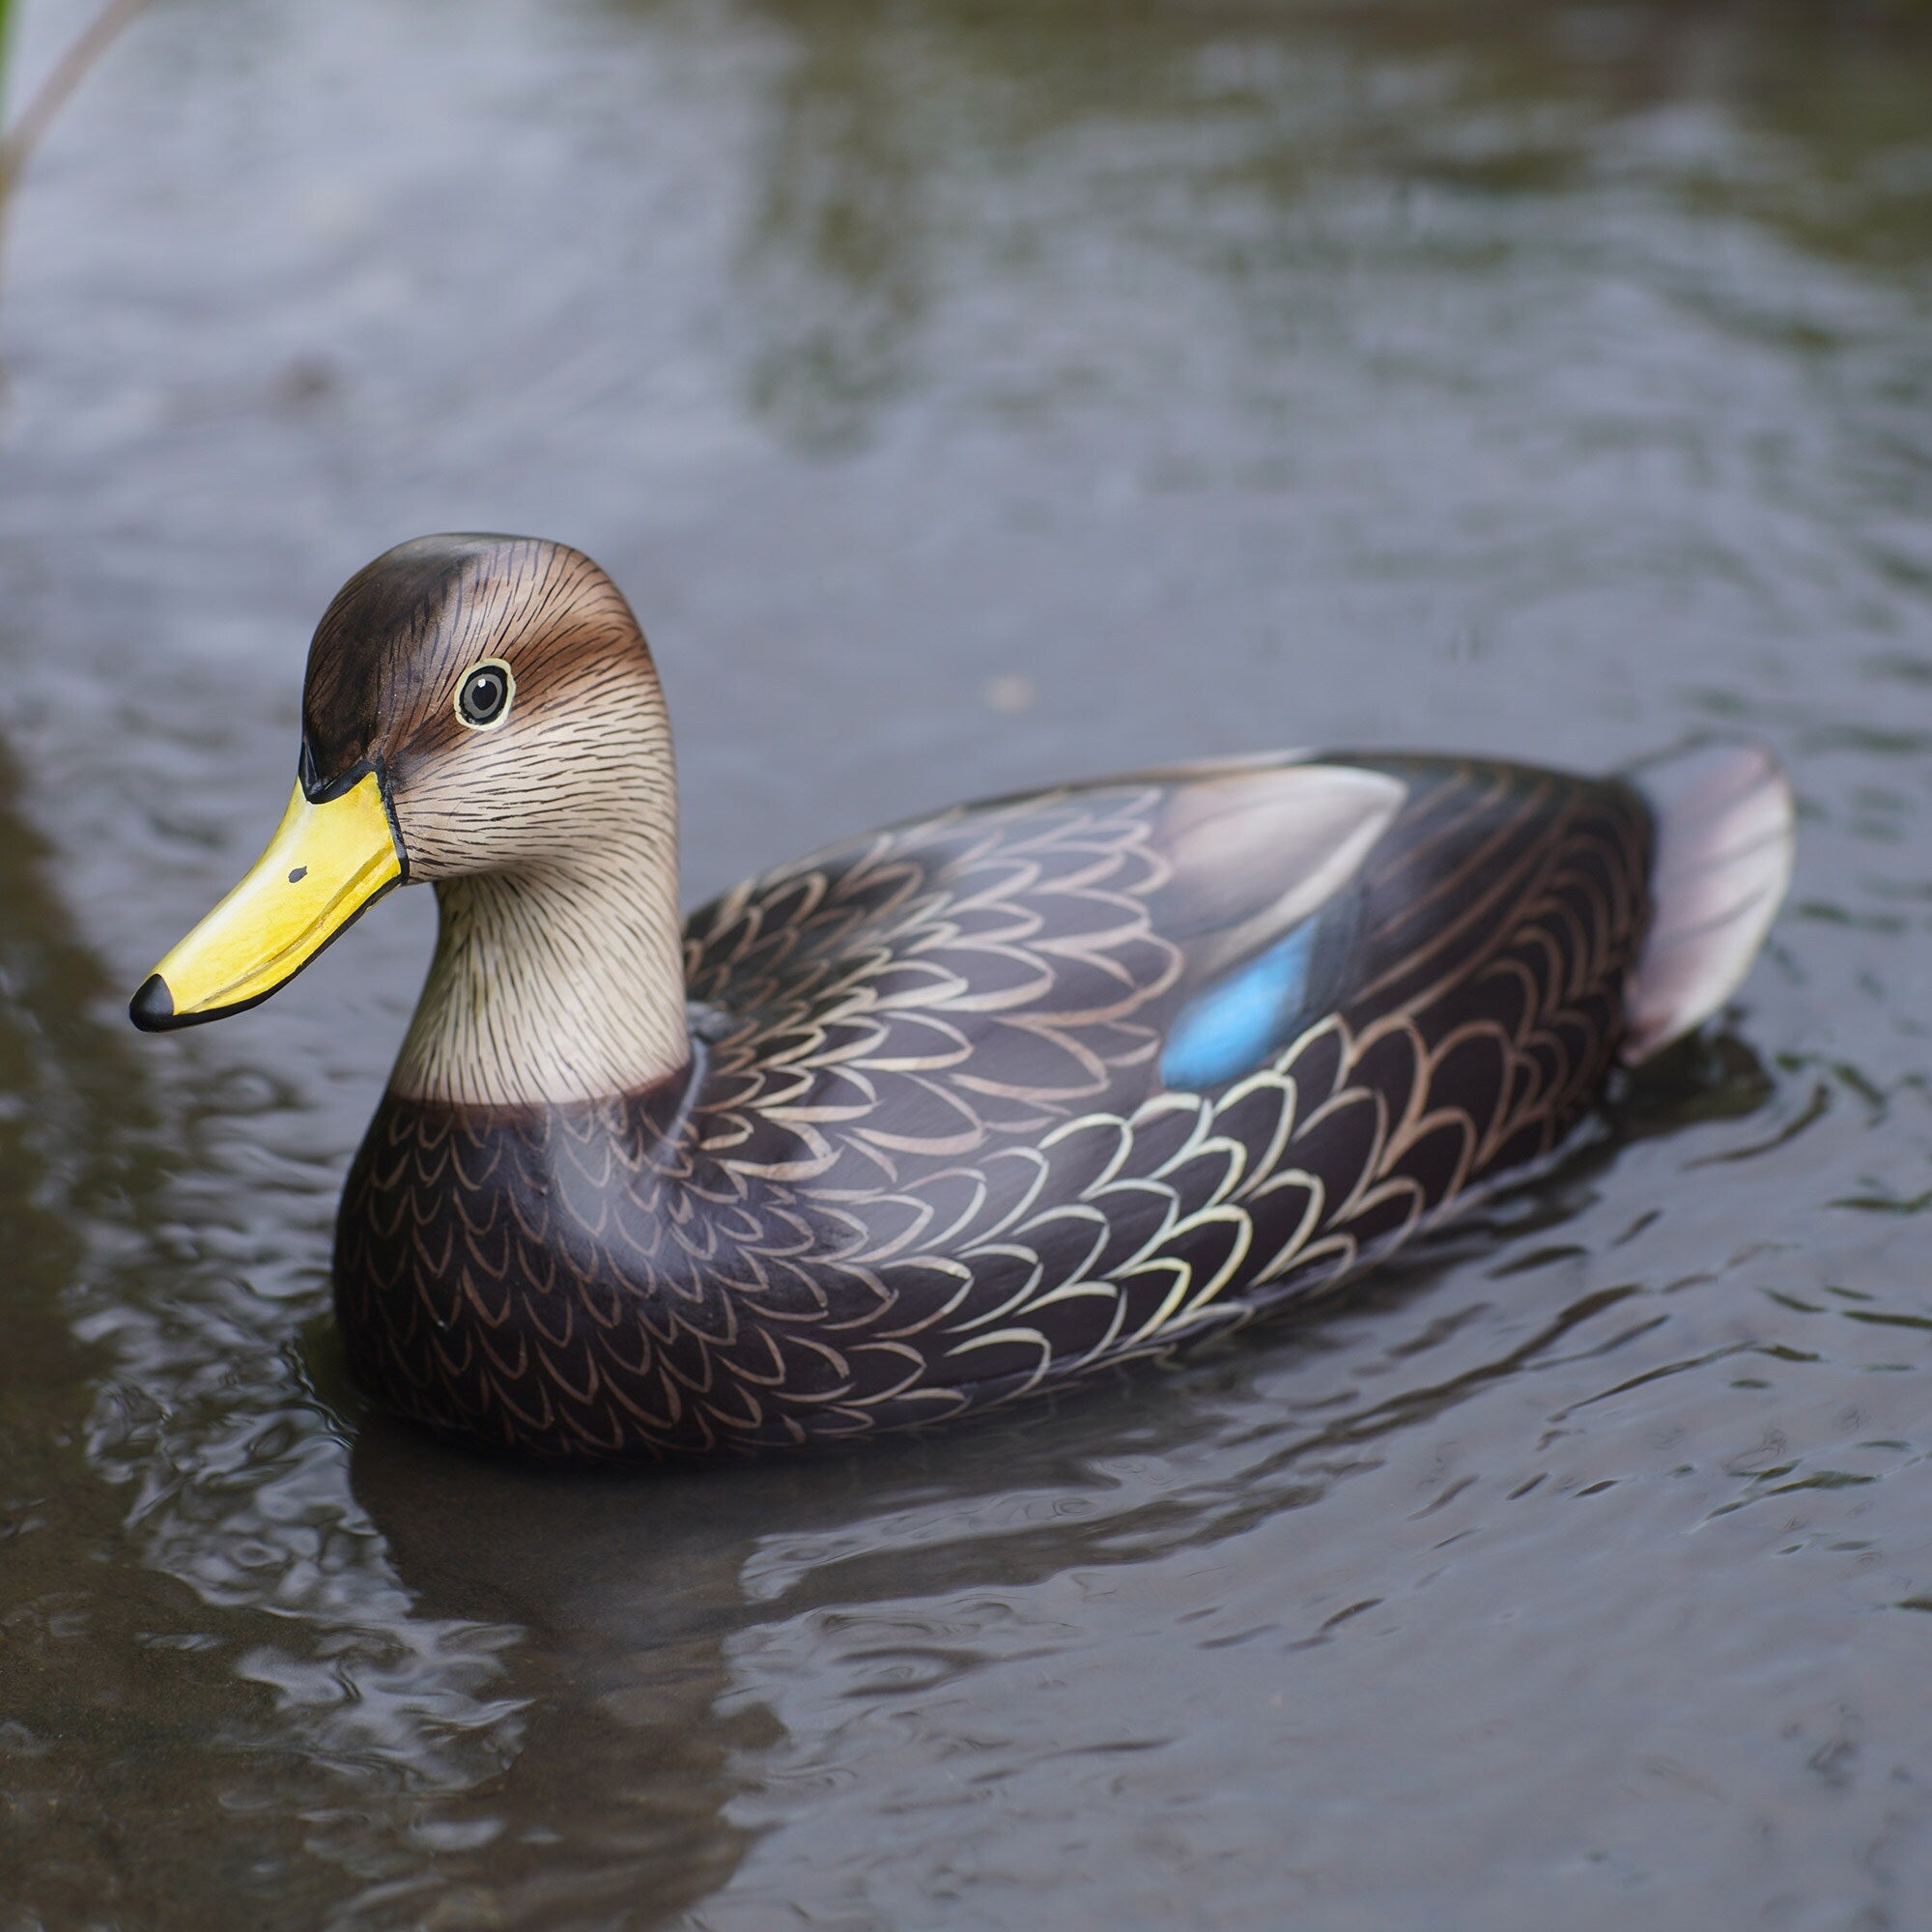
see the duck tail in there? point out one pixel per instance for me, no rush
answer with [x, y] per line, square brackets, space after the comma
[1724, 844]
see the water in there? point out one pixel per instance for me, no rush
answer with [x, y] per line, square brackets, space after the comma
[969, 393]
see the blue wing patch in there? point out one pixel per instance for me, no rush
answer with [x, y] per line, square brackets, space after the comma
[1239, 1023]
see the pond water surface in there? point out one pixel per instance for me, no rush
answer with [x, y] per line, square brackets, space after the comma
[969, 393]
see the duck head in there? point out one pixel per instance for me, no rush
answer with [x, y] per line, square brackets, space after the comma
[480, 712]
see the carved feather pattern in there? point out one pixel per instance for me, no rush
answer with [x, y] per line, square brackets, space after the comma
[925, 1161]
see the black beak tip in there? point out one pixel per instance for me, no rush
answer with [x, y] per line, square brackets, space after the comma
[153, 1008]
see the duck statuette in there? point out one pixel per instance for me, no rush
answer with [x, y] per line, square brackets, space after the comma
[946, 1114]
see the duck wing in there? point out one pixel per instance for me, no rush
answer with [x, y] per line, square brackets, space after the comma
[991, 972]
[976, 976]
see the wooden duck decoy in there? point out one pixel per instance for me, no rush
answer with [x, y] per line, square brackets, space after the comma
[951, 1112]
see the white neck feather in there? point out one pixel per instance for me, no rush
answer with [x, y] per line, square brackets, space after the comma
[564, 986]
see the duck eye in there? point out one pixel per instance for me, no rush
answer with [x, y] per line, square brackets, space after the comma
[483, 693]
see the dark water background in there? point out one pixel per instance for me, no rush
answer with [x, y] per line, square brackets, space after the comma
[969, 393]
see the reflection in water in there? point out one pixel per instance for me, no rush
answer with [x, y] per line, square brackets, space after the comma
[1544, 376]
[834, 282]
[889, 130]
[110, 1681]
[164, 1511]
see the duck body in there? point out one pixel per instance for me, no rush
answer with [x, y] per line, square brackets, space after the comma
[929, 1153]
[962, 1109]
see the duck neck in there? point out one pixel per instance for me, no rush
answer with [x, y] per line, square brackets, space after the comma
[556, 985]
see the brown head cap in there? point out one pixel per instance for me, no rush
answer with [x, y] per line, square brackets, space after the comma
[391, 651]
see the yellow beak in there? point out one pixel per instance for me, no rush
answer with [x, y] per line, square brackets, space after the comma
[324, 865]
